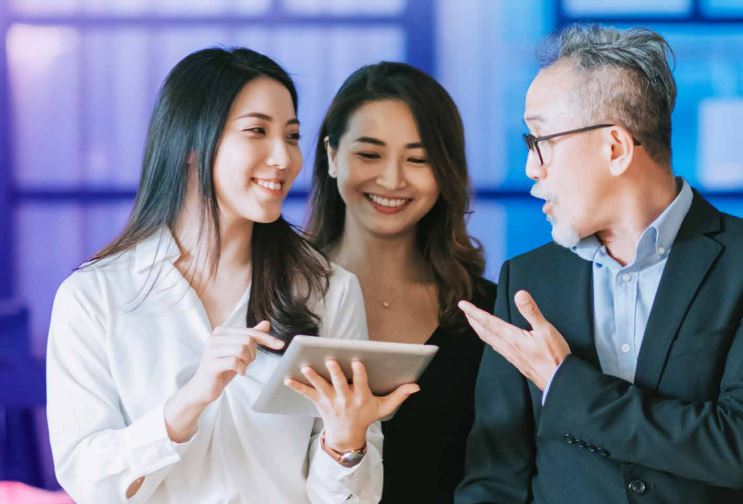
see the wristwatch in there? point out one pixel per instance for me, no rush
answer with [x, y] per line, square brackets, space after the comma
[346, 459]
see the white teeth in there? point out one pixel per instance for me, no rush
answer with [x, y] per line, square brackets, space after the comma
[387, 202]
[274, 186]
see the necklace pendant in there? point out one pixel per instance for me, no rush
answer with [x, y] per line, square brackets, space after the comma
[385, 304]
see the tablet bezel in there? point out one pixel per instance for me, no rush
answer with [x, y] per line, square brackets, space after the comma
[388, 365]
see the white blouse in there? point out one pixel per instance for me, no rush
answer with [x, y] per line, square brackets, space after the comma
[124, 337]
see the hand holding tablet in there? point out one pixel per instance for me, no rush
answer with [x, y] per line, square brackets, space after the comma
[386, 367]
[312, 379]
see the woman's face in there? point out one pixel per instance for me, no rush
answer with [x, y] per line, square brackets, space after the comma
[383, 173]
[258, 156]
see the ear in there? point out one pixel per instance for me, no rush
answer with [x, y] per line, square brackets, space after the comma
[331, 154]
[191, 158]
[622, 150]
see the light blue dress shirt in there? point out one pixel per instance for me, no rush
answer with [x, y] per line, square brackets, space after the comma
[624, 295]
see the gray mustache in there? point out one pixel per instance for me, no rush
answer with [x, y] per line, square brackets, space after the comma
[537, 192]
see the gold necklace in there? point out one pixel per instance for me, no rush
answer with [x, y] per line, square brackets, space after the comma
[385, 303]
[388, 301]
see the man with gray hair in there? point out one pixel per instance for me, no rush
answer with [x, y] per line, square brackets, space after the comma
[614, 371]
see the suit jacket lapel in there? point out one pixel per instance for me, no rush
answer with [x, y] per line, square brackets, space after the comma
[573, 297]
[691, 256]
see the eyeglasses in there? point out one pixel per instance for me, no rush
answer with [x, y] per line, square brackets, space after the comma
[532, 142]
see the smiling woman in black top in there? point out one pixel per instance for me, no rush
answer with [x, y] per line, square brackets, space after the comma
[390, 195]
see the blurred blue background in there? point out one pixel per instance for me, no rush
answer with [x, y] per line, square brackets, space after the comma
[79, 77]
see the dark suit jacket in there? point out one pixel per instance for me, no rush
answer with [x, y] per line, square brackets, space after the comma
[674, 436]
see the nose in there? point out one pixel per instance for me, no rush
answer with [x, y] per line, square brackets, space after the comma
[392, 176]
[280, 157]
[534, 169]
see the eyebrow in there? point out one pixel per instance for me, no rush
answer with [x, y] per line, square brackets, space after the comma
[265, 117]
[534, 118]
[376, 141]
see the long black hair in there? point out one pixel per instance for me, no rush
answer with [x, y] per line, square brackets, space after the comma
[454, 257]
[189, 117]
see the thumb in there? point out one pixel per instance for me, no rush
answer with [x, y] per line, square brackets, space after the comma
[393, 400]
[529, 309]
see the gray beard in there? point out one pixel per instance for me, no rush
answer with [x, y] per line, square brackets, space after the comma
[564, 235]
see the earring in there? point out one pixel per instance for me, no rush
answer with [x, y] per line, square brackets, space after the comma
[332, 172]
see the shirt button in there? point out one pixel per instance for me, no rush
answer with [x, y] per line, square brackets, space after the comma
[626, 277]
[637, 486]
[625, 348]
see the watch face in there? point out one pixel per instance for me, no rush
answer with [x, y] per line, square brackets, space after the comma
[351, 458]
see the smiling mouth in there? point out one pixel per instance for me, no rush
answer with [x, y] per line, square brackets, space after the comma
[387, 202]
[271, 185]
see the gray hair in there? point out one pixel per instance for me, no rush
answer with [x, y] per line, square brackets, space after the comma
[624, 77]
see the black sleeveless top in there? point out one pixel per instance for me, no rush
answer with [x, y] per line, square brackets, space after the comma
[424, 443]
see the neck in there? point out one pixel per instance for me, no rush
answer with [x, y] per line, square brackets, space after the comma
[198, 250]
[380, 260]
[641, 202]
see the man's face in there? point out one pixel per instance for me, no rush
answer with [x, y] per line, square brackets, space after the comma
[574, 180]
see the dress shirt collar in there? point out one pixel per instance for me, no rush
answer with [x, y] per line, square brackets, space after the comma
[159, 247]
[655, 241]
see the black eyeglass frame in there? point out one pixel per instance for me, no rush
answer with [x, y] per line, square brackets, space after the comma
[532, 142]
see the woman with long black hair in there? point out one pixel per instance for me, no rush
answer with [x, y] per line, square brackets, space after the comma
[390, 195]
[159, 345]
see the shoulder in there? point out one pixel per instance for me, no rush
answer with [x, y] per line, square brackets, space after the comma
[546, 254]
[705, 219]
[81, 287]
[109, 282]
[80, 301]
[342, 311]
[91, 277]
[118, 271]
[542, 261]
[731, 230]
[342, 284]
[729, 262]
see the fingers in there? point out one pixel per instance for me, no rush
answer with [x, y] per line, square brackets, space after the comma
[529, 309]
[229, 364]
[393, 400]
[481, 332]
[259, 336]
[246, 352]
[317, 381]
[484, 319]
[360, 378]
[476, 319]
[305, 390]
[338, 378]
[267, 340]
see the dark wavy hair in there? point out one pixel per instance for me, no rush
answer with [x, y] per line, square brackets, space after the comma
[454, 258]
[189, 117]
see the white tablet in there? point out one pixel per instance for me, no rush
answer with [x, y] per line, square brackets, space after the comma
[388, 365]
